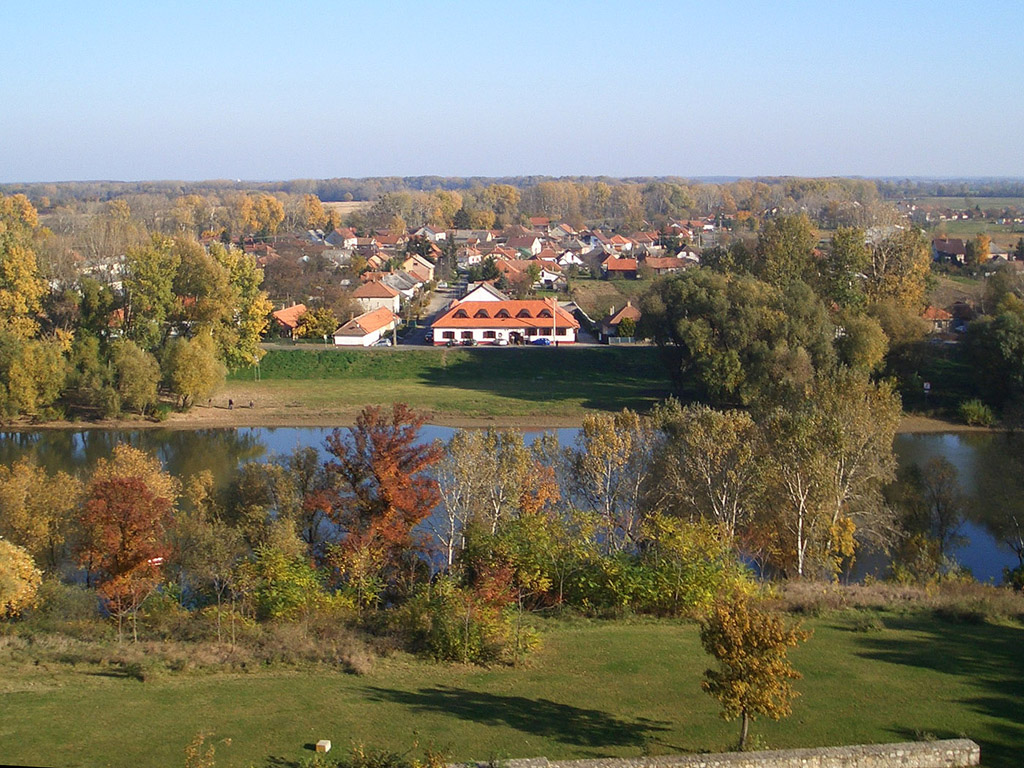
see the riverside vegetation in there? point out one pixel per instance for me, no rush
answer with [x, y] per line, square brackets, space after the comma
[467, 551]
[458, 551]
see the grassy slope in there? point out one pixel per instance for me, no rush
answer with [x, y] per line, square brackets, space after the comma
[594, 689]
[473, 382]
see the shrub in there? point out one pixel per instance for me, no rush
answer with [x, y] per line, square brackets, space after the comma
[976, 413]
[453, 623]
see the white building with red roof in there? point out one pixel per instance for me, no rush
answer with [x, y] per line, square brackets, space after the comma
[375, 294]
[497, 321]
[366, 329]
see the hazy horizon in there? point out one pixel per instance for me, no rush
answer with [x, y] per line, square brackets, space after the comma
[194, 91]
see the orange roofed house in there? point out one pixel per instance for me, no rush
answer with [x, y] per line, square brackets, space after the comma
[366, 329]
[288, 318]
[482, 317]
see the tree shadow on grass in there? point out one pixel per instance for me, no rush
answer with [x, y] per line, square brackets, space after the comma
[598, 378]
[987, 656]
[538, 717]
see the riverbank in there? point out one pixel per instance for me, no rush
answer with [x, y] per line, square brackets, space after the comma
[270, 409]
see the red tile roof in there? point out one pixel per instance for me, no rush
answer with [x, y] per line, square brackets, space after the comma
[374, 290]
[485, 314]
[613, 264]
[367, 323]
[936, 313]
[289, 316]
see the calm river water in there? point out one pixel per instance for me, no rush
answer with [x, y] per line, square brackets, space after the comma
[991, 466]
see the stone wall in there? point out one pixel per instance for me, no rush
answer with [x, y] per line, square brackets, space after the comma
[952, 753]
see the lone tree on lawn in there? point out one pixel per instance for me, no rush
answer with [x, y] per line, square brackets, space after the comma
[754, 673]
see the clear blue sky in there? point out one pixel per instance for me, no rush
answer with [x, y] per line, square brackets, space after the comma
[311, 89]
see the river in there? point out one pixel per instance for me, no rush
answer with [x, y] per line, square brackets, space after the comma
[990, 466]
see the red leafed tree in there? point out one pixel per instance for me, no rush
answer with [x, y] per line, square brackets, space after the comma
[381, 492]
[123, 542]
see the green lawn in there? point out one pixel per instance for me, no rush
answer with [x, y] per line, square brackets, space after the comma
[615, 689]
[470, 382]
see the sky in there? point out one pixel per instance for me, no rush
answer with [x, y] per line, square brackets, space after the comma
[208, 89]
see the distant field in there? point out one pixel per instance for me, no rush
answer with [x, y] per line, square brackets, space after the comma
[963, 203]
[346, 208]
[1001, 232]
[594, 689]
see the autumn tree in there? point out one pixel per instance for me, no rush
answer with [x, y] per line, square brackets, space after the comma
[123, 542]
[785, 250]
[32, 374]
[149, 298]
[706, 466]
[465, 474]
[191, 368]
[979, 250]
[829, 453]
[19, 580]
[317, 323]
[382, 491]
[898, 267]
[260, 214]
[21, 286]
[754, 673]
[37, 510]
[846, 261]
[608, 470]
[137, 375]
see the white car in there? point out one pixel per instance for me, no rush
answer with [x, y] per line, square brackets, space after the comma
[382, 343]
[501, 342]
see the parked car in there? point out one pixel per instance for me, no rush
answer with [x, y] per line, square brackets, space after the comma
[501, 342]
[450, 343]
[469, 342]
[541, 342]
[429, 337]
[382, 343]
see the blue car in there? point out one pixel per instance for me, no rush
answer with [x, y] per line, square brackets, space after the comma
[542, 342]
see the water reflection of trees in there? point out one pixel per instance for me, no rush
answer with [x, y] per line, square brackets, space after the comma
[182, 452]
[999, 482]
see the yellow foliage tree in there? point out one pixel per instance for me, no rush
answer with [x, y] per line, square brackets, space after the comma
[127, 461]
[19, 580]
[750, 646]
[36, 509]
[21, 287]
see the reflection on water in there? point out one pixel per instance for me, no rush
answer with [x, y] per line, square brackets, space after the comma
[991, 473]
[991, 466]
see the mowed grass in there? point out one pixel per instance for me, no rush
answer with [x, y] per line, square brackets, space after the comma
[594, 689]
[471, 382]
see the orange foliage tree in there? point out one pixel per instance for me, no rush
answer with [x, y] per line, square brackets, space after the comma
[381, 491]
[123, 543]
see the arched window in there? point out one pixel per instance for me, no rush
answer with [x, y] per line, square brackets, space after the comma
[481, 313]
[503, 313]
[460, 313]
[524, 312]
[544, 313]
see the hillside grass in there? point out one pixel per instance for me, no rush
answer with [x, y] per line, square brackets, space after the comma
[565, 381]
[594, 689]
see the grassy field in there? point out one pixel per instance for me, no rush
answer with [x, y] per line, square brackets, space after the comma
[594, 689]
[597, 296]
[1002, 233]
[471, 382]
[963, 203]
